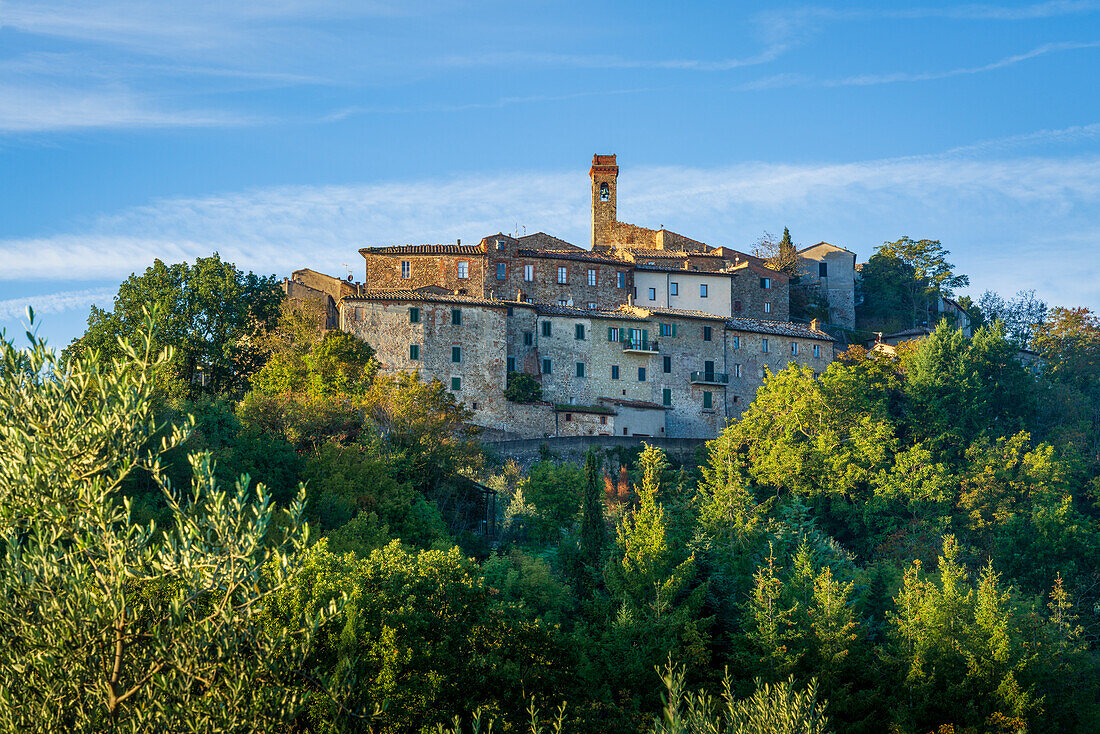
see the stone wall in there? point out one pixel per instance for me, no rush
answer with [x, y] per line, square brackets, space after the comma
[746, 289]
[383, 271]
[747, 357]
[480, 369]
[573, 449]
[544, 287]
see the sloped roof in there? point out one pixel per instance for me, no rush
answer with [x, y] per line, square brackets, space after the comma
[682, 313]
[427, 296]
[825, 244]
[633, 403]
[578, 254]
[586, 313]
[543, 241]
[671, 269]
[778, 328]
[423, 250]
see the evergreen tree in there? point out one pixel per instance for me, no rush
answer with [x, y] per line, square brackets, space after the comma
[593, 529]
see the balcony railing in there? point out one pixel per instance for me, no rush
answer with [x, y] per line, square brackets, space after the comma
[710, 378]
[640, 346]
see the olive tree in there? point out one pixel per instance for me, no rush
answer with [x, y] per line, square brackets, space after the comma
[111, 624]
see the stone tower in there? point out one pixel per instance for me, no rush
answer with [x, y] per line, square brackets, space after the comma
[604, 173]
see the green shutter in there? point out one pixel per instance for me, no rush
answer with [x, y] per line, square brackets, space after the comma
[609, 334]
[674, 329]
[645, 335]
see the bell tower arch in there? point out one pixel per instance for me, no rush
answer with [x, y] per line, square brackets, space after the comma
[604, 174]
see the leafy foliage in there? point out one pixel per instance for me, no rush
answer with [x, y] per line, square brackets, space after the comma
[522, 388]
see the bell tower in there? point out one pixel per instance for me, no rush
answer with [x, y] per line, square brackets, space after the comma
[604, 174]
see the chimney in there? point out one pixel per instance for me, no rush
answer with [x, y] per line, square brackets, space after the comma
[814, 324]
[460, 241]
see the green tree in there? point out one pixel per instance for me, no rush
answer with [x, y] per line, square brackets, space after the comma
[593, 525]
[963, 648]
[114, 625]
[213, 316]
[522, 388]
[903, 279]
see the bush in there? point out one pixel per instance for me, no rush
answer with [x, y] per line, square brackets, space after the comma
[522, 388]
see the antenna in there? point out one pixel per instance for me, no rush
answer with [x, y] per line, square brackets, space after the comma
[347, 269]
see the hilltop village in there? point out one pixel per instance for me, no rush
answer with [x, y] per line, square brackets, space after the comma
[647, 333]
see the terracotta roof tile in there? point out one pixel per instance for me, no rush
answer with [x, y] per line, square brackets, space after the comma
[779, 328]
[423, 250]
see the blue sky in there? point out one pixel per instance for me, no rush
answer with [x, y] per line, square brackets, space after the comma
[289, 134]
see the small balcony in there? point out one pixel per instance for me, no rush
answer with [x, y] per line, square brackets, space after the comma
[640, 346]
[710, 378]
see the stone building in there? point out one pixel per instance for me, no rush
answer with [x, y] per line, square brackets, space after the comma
[648, 333]
[831, 270]
[628, 371]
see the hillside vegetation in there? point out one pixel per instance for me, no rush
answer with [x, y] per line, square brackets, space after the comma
[295, 542]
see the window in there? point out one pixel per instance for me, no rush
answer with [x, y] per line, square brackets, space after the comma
[591, 277]
[456, 383]
[563, 302]
[605, 192]
[592, 305]
[664, 329]
[510, 311]
[603, 420]
[794, 349]
[528, 273]
[624, 430]
[736, 342]
[546, 328]
[563, 274]
[737, 370]
[667, 364]
[500, 245]
[823, 270]
[406, 269]
[414, 315]
[546, 366]
[641, 374]
[817, 350]
[511, 364]
[674, 289]
[569, 416]
[501, 271]
[765, 283]
[414, 352]
[666, 396]
[456, 316]
[737, 307]
[620, 279]
[708, 400]
[463, 269]
[707, 333]
[475, 405]
[653, 294]
[579, 331]
[708, 370]
[456, 354]
[767, 306]
[765, 345]
[737, 398]
[702, 290]
[613, 333]
[528, 338]
[614, 372]
[580, 369]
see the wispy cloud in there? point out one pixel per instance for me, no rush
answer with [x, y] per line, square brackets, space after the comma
[30, 109]
[777, 81]
[52, 303]
[869, 79]
[999, 217]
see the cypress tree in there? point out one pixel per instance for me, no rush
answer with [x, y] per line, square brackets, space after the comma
[593, 530]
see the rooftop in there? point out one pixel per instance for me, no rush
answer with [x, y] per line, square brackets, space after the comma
[423, 250]
[430, 297]
[633, 403]
[779, 328]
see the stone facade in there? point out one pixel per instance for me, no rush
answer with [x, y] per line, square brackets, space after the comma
[613, 358]
[831, 270]
[651, 372]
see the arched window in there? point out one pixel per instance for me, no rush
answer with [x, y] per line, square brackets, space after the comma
[605, 192]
